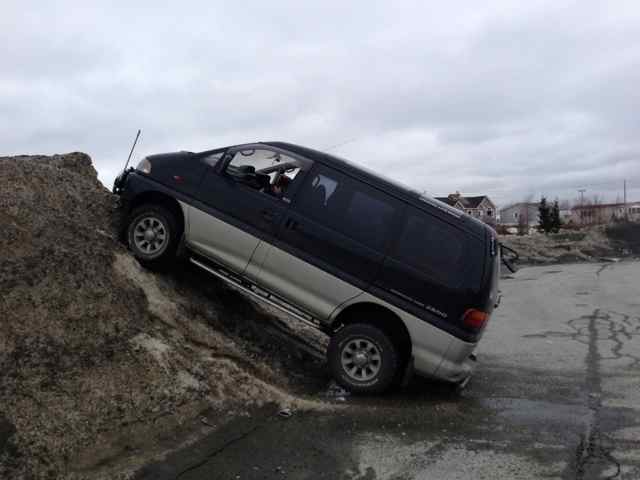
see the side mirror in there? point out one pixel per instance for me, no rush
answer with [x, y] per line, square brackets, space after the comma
[509, 256]
[510, 266]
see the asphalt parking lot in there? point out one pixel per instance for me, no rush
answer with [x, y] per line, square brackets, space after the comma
[556, 395]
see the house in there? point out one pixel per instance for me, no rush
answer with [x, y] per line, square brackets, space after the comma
[519, 214]
[565, 215]
[594, 214]
[633, 211]
[480, 206]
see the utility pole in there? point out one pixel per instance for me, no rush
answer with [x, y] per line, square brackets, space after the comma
[626, 216]
[582, 190]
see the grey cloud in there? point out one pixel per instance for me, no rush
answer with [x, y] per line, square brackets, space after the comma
[511, 99]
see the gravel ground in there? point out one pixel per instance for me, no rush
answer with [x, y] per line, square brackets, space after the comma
[555, 395]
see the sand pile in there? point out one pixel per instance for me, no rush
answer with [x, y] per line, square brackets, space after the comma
[101, 359]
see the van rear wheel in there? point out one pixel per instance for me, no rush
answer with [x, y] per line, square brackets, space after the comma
[363, 358]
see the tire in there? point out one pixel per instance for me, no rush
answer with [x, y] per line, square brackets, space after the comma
[153, 235]
[352, 356]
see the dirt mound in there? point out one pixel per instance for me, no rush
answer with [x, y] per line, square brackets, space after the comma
[100, 358]
[588, 245]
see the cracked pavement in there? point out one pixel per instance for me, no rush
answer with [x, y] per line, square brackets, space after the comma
[556, 394]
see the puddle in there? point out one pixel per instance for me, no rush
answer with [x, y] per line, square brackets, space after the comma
[532, 412]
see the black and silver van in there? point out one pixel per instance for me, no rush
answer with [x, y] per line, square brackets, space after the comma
[400, 281]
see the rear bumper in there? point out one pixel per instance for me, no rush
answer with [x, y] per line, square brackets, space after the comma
[458, 362]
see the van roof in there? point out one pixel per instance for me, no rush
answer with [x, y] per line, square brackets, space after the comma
[342, 163]
[367, 175]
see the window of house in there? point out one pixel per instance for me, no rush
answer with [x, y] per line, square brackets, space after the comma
[489, 213]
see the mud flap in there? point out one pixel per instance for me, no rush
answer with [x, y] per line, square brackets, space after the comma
[463, 383]
[181, 251]
[407, 374]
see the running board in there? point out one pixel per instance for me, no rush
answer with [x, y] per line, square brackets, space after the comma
[256, 292]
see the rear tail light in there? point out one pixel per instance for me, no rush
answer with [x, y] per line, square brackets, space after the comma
[475, 319]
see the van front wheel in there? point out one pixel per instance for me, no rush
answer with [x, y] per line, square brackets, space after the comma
[363, 358]
[153, 235]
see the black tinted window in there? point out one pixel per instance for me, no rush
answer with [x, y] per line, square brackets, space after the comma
[348, 206]
[368, 219]
[431, 246]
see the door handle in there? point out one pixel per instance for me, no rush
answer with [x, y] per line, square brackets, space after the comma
[292, 224]
[268, 215]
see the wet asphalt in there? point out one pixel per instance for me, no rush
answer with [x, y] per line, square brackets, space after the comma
[556, 395]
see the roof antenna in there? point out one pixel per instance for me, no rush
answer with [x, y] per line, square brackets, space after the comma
[132, 147]
[120, 179]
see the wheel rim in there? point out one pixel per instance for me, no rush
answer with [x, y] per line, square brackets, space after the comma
[361, 359]
[150, 235]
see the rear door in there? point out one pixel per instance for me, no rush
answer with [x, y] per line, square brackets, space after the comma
[238, 205]
[332, 241]
[433, 270]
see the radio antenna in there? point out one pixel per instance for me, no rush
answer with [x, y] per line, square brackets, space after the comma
[132, 147]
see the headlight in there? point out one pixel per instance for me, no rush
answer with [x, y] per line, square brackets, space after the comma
[144, 166]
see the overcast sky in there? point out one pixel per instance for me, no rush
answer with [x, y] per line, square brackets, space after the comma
[510, 99]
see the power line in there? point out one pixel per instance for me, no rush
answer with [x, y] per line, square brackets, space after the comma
[340, 144]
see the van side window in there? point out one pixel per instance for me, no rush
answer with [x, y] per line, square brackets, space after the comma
[432, 246]
[266, 171]
[213, 158]
[328, 184]
[369, 219]
[348, 206]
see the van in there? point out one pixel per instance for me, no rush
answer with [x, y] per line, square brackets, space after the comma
[399, 281]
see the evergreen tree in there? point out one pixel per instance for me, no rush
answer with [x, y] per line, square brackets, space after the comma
[556, 223]
[544, 212]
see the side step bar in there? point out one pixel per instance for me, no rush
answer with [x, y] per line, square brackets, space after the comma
[256, 292]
